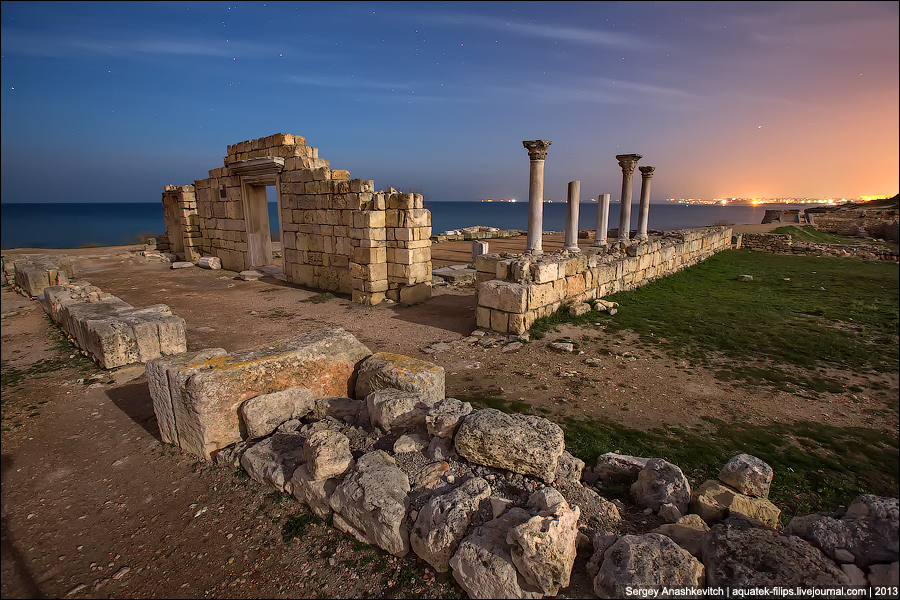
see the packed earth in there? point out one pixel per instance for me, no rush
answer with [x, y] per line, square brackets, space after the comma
[95, 505]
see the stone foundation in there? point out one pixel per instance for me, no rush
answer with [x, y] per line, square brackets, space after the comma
[515, 291]
[34, 273]
[783, 244]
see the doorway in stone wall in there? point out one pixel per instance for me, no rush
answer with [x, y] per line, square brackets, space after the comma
[174, 226]
[257, 177]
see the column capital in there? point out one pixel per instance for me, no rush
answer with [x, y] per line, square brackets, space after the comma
[537, 149]
[647, 172]
[628, 162]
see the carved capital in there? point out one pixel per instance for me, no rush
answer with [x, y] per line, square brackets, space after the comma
[537, 149]
[646, 172]
[628, 162]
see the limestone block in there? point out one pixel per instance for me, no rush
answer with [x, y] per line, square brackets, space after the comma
[714, 501]
[688, 532]
[414, 294]
[739, 553]
[869, 540]
[442, 522]
[167, 374]
[520, 443]
[371, 503]
[337, 408]
[387, 370]
[660, 482]
[543, 272]
[397, 410]
[369, 255]
[499, 321]
[543, 548]
[205, 404]
[482, 565]
[412, 442]
[503, 295]
[569, 469]
[264, 413]
[327, 454]
[646, 562]
[273, 460]
[875, 507]
[487, 263]
[541, 295]
[368, 219]
[315, 494]
[748, 475]
[444, 417]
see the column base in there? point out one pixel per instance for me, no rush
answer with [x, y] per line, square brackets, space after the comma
[572, 249]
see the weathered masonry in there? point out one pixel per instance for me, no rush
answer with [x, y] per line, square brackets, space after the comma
[338, 234]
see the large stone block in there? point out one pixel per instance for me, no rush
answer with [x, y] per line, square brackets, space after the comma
[392, 409]
[646, 562]
[206, 403]
[387, 370]
[503, 295]
[714, 501]
[371, 503]
[264, 413]
[520, 443]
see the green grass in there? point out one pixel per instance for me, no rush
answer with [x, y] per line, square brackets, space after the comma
[507, 406]
[807, 233]
[297, 525]
[798, 313]
[323, 297]
[817, 467]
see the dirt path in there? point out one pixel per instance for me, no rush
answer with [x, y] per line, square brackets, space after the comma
[91, 498]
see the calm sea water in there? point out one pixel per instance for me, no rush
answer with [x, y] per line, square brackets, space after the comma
[74, 225]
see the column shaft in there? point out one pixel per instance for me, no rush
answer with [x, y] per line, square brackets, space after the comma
[572, 205]
[602, 221]
[535, 208]
[644, 214]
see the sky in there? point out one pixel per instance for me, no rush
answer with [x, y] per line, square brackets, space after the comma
[109, 102]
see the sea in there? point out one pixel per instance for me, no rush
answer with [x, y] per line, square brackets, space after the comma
[77, 225]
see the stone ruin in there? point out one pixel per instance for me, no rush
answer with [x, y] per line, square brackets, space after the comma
[337, 234]
[515, 290]
[371, 441]
[104, 327]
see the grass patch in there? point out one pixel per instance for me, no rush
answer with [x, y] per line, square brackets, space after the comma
[296, 526]
[798, 313]
[323, 297]
[817, 467]
[807, 233]
[507, 406]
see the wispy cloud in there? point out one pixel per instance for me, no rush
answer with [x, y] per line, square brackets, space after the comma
[53, 46]
[345, 82]
[553, 32]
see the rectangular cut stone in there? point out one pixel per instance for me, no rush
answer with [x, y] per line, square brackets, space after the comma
[210, 390]
[487, 263]
[503, 295]
[543, 272]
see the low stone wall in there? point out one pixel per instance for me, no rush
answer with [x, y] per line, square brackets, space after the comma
[476, 233]
[514, 291]
[490, 497]
[783, 244]
[109, 330]
[883, 223]
[31, 274]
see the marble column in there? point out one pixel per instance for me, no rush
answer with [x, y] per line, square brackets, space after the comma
[628, 162]
[572, 216]
[537, 152]
[602, 221]
[644, 213]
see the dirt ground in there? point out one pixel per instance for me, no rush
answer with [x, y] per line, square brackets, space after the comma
[93, 505]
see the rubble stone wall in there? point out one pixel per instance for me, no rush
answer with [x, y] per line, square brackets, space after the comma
[783, 244]
[514, 292]
[338, 233]
[879, 223]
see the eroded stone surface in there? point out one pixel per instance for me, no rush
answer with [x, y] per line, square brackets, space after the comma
[443, 521]
[444, 417]
[482, 565]
[327, 454]
[748, 475]
[371, 503]
[646, 562]
[543, 548]
[273, 460]
[397, 410]
[387, 370]
[520, 443]
[264, 413]
[660, 482]
[742, 553]
[714, 501]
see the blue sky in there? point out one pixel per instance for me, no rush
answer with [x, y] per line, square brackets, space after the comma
[109, 102]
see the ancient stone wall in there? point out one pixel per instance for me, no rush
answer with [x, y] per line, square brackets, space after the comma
[338, 234]
[878, 223]
[783, 244]
[515, 291]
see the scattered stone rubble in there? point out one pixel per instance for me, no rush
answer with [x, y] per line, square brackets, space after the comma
[107, 329]
[493, 498]
[782, 243]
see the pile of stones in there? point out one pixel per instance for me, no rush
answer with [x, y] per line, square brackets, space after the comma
[493, 498]
[34, 272]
